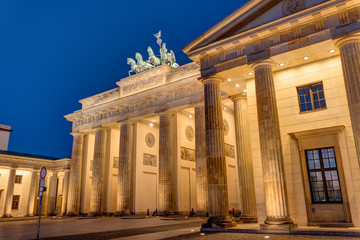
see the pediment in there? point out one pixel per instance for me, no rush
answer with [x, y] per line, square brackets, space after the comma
[251, 15]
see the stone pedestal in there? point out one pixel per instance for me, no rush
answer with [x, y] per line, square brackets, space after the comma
[97, 183]
[244, 157]
[271, 150]
[75, 175]
[52, 194]
[126, 157]
[350, 59]
[9, 193]
[166, 161]
[65, 192]
[201, 174]
[32, 192]
[218, 207]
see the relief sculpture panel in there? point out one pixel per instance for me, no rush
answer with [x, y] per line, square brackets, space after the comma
[150, 160]
[187, 154]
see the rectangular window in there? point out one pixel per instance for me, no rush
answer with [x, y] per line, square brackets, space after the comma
[15, 202]
[323, 176]
[18, 179]
[311, 97]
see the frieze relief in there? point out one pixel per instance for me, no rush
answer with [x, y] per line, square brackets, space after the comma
[112, 114]
[187, 154]
[116, 162]
[229, 151]
[150, 160]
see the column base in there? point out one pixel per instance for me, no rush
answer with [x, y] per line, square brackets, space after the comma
[165, 213]
[72, 214]
[29, 215]
[123, 213]
[247, 219]
[7, 216]
[280, 228]
[95, 214]
[202, 214]
[219, 222]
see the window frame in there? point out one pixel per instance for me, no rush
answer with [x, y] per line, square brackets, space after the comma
[18, 202]
[323, 170]
[17, 177]
[311, 97]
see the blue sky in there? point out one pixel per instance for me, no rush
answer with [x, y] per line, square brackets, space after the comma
[54, 53]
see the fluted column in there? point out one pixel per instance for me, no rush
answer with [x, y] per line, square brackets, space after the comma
[65, 192]
[350, 59]
[97, 183]
[166, 161]
[108, 174]
[218, 207]
[9, 193]
[201, 175]
[75, 175]
[271, 150]
[32, 192]
[125, 169]
[244, 157]
[52, 194]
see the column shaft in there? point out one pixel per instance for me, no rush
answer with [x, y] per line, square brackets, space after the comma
[75, 174]
[96, 198]
[125, 169]
[108, 174]
[52, 194]
[9, 193]
[166, 159]
[201, 174]
[32, 193]
[350, 59]
[271, 149]
[244, 157]
[65, 192]
[215, 156]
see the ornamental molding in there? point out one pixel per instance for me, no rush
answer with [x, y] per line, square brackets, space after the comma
[293, 6]
[100, 98]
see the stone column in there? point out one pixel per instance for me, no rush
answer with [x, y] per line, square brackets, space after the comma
[9, 193]
[244, 157]
[108, 174]
[350, 59]
[52, 194]
[166, 161]
[97, 194]
[271, 150]
[32, 192]
[200, 146]
[125, 169]
[215, 156]
[65, 192]
[75, 175]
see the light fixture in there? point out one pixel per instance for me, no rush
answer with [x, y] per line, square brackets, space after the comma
[151, 124]
[332, 51]
[190, 116]
[237, 85]
[229, 79]
[250, 73]
[224, 108]
[306, 58]
[282, 64]
[244, 91]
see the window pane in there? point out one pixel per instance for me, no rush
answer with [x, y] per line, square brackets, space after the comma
[308, 99]
[302, 99]
[315, 96]
[314, 88]
[322, 103]
[303, 107]
[317, 164]
[320, 86]
[332, 163]
[301, 91]
[308, 106]
[306, 90]
[321, 95]
[317, 105]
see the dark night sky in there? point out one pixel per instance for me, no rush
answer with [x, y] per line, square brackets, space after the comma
[54, 53]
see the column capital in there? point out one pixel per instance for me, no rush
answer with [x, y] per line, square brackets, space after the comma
[267, 63]
[212, 78]
[80, 134]
[235, 97]
[349, 38]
